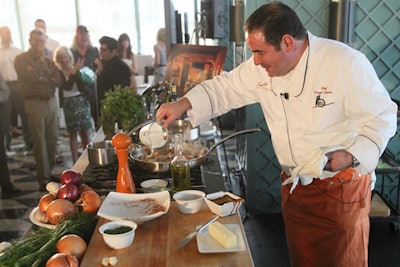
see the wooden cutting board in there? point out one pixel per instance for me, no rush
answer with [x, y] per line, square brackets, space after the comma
[156, 241]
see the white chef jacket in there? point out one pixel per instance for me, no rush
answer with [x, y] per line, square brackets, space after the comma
[342, 104]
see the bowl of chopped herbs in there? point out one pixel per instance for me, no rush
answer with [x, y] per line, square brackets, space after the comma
[118, 234]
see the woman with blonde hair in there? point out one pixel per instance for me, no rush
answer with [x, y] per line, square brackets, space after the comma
[82, 48]
[73, 99]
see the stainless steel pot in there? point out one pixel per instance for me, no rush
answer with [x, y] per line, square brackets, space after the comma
[185, 127]
[139, 154]
[101, 153]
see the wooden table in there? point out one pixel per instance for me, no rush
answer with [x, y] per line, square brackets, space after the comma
[156, 243]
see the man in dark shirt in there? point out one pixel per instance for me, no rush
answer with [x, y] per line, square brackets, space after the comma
[111, 70]
[8, 190]
[38, 77]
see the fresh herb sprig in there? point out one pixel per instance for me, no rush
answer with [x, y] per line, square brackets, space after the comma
[123, 106]
[38, 246]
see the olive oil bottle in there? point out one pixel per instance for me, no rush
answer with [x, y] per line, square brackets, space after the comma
[168, 92]
[180, 169]
[174, 94]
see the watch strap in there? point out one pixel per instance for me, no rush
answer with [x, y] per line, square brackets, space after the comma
[355, 162]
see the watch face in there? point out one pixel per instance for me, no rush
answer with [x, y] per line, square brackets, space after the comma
[355, 162]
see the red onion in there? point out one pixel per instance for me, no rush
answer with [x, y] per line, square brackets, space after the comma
[69, 192]
[71, 176]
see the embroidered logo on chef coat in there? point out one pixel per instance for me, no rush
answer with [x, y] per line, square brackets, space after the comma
[264, 85]
[320, 101]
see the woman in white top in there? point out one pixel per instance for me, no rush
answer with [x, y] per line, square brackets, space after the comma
[124, 52]
[160, 57]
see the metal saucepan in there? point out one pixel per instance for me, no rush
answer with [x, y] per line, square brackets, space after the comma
[139, 154]
[101, 153]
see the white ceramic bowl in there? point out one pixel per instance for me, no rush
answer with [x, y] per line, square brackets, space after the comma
[189, 201]
[154, 185]
[118, 241]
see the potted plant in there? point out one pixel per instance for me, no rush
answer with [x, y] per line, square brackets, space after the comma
[122, 106]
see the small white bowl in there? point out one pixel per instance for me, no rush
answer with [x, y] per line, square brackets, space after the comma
[189, 201]
[154, 185]
[118, 241]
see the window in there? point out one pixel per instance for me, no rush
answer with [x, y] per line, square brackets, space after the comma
[101, 17]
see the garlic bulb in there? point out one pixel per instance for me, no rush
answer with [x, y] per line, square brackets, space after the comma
[53, 187]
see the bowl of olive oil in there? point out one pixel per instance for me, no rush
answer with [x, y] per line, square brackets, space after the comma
[118, 234]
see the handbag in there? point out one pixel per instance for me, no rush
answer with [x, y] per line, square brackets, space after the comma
[87, 75]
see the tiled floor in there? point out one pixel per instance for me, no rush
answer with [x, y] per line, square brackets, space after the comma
[14, 212]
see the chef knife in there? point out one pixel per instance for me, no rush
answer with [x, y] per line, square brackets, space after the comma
[192, 234]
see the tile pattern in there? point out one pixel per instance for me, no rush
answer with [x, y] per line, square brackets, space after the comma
[14, 212]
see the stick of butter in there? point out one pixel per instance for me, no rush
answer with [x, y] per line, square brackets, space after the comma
[223, 235]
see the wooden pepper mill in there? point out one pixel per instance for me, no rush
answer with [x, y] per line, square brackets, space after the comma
[125, 183]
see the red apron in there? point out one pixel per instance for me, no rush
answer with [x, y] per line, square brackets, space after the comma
[327, 221]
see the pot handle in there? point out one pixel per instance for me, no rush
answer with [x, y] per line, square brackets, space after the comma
[251, 130]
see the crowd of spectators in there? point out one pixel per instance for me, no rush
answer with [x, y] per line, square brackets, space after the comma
[49, 84]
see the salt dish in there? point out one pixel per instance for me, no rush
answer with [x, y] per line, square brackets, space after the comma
[189, 201]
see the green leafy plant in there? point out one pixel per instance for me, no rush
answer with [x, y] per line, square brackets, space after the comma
[123, 106]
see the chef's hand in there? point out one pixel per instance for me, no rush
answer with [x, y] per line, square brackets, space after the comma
[171, 111]
[338, 160]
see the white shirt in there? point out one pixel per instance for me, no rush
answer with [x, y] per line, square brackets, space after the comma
[7, 58]
[51, 44]
[343, 104]
[73, 92]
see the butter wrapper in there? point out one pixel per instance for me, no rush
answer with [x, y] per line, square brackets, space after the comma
[223, 203]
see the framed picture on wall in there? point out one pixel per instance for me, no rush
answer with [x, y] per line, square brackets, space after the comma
[188, 65]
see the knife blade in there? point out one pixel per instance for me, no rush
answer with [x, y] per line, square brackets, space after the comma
[192, 234]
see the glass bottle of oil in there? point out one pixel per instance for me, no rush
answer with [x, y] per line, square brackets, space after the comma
[168, 92]
[180, 169]
[174, 94]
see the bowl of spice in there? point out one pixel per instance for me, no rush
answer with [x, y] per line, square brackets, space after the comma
[118, 234]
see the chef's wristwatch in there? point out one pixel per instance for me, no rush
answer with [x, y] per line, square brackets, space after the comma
[355, 162]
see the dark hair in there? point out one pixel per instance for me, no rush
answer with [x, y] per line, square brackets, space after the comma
[110, 42]
[122, 38]
[275, 20]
